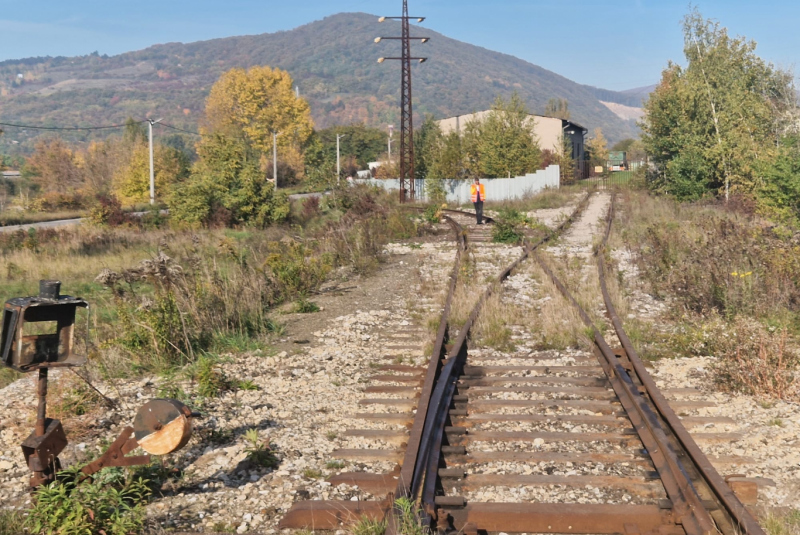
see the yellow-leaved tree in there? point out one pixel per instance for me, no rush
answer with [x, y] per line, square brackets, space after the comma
[229, 182]
[132, 181]
[252, 104]
[597, 146]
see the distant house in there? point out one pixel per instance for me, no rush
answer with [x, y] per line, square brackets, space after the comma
[549, 132]
[11, 175]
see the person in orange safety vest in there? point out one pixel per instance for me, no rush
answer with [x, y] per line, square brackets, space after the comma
[478, 195]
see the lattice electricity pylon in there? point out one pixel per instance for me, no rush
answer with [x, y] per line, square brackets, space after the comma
[406, 112]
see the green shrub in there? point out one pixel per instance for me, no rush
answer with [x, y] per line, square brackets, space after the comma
[508, 226]
[432, 213]
[295, 269]
[111, 503]
[304, 306]
[259, 452]
[211, 380]
[227, 186]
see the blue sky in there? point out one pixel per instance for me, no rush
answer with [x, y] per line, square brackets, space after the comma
[616, 44]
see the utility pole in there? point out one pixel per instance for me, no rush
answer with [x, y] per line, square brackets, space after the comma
[406, 112]
[150, 124]
[275, 158]
[338, 168]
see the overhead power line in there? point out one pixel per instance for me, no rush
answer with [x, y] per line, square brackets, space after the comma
[181, 129]
[106, 127]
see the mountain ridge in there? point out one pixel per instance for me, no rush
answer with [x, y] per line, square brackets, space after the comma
[333, 62]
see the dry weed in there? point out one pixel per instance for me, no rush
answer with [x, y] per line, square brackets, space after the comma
[553, 320]
[782, 523]
[754, 360]
[469, 288]
[493, 326]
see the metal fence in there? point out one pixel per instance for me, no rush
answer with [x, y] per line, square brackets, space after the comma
[497, 189]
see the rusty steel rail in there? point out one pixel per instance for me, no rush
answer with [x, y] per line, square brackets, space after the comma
[406, 483]
[330, 514]
[646, 407]
[417, 477]
[739, 518]
[687, 504]
[486, 218]
[426, 468]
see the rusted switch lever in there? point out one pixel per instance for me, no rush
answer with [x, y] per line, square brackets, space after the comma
[160, 427]
[115, 455]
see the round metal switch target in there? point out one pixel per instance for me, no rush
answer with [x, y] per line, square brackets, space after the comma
[162, 426]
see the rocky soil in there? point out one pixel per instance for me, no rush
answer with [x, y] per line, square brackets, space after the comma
[307, 397]
[311, 383]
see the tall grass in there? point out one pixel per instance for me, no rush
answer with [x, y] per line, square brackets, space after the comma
[783, 524]
[161, 297]
[553, 319]
[711, 259]
[734, 286]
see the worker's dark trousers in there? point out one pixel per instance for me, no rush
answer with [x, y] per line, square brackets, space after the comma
[479, 211]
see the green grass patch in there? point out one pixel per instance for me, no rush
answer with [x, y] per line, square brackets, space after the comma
[112, 502]
[303, 306]
[12, 522]
[8, 376]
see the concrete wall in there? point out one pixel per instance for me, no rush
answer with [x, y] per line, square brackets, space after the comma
[548, 131]
[497, 189]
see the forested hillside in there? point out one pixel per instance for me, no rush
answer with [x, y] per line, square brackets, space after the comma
[333, 62]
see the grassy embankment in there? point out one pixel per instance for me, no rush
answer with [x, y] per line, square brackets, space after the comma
[161, 297]
[731, 282]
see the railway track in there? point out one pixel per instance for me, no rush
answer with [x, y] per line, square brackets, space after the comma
[636, 468]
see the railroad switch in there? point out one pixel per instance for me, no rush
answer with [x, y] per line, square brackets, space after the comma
[38, 333]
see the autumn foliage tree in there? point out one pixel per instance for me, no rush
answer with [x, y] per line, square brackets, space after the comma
[249, 105]
[132, 180]
[717, 125]
[597, 146]
[229, 183]
[53, 167]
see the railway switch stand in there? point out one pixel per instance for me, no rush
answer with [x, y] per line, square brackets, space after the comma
[38, 334]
